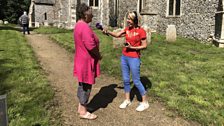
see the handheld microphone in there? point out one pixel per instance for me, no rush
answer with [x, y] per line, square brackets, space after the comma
[99, 26]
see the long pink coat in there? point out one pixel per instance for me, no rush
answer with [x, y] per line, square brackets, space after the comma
[86, 68]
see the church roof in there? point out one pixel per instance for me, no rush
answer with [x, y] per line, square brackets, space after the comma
[44, 1]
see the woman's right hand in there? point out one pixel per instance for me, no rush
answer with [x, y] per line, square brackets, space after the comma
[105, 31]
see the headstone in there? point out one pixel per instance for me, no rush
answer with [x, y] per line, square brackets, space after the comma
[37, 24]
[171, 34]
[55, 24]
[118, 42]
[46, 23]
[6, 22]
[1, 22]
[3, 111]
[148, 33]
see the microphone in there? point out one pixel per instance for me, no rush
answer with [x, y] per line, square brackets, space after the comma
[100, 27]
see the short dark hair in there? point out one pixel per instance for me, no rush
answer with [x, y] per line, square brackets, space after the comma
[80, 10]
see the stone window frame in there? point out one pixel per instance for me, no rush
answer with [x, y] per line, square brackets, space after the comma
[94, 4]
[141, 5]
[174, 9]
[116, 7]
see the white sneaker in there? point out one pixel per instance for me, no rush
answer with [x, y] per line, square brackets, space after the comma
[125, 104]
[142, 106]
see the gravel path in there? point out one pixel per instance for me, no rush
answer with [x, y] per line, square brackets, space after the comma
[106, 95]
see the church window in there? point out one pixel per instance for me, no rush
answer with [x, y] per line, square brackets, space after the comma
[174, 8]
[141, 5]
[45, 16]
[94, 3]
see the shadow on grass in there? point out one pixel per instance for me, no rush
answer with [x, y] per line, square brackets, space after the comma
[15, 28]
[134, 91]
[102, 98]
[4, 73]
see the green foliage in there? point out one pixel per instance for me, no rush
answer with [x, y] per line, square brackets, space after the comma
[64, 39]
[186, 75]
[28, 91]
[11, 10]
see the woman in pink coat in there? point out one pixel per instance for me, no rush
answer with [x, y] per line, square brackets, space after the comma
[86, 58]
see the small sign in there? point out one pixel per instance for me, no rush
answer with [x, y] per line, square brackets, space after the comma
[3, 111]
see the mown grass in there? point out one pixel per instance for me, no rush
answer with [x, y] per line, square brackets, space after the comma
[51, 30]
[186, 75]
[21, 78]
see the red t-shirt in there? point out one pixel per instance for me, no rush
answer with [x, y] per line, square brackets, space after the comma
[134, 37]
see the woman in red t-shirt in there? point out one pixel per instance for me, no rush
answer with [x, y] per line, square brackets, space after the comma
[130, 60]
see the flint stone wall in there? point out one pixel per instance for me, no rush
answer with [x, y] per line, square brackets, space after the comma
[39, 13]
[197, 18]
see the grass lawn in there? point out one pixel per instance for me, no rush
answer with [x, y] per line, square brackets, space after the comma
[187, 76]
[21, 78]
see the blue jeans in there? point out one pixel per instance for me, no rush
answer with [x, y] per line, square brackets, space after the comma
[26, 28]
[129, 64]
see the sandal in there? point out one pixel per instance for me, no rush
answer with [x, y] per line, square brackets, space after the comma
[89, 116]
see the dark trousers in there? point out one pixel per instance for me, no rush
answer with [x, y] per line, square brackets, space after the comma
[26, 28]
[83, 93]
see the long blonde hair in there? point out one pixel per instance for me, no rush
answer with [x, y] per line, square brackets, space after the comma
[134, 17]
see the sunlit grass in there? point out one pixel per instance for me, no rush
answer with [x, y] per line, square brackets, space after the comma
[51, 30]
[21, 78]
[186, 75]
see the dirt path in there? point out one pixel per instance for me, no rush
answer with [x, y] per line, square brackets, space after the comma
[105, 97]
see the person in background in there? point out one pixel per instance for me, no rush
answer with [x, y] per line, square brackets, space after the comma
[24, 21]
[86, 58]
[135, 37]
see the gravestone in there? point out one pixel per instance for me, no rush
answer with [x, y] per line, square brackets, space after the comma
[37, 24]
[3, 111]
[46, 24]
[118, 42]
[6, 22]
[148, 34]
[171, 34]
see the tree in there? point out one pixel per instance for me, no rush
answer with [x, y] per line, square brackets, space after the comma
[11, 10]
